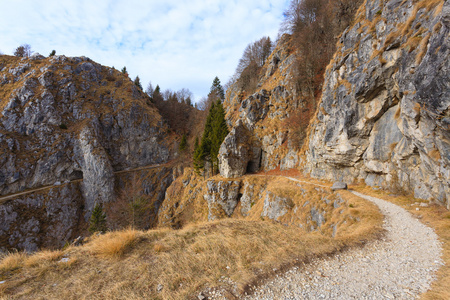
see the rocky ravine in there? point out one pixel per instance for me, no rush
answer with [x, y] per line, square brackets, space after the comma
[384, 115]
[400, 266]
[69, 123]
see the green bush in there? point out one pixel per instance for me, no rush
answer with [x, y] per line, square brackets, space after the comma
[98, 220]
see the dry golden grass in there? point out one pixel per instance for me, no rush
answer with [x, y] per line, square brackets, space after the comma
[428, 5]
[435, 216]
[12, 262]
[114, 244]
[193, 258]
[422, 49]
[41, 257]
[435, 154]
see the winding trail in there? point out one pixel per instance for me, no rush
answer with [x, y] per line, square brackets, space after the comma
[399, 266]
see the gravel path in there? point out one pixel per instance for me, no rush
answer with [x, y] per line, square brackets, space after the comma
[400, 266]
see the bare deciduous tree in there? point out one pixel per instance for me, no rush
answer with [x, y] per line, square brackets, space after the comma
[256, 52]
[23, 50]
[150, 89]
[185, 96]
[251, 62]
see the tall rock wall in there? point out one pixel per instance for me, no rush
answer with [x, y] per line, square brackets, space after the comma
[64, 121]
[384, 115]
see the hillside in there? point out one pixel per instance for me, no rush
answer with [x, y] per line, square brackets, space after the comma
[230, 255]
[68, 124]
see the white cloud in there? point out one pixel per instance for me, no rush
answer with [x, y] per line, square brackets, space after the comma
[172, 43]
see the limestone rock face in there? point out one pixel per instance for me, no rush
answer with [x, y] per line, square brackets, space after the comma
[384, 115]
[222, 197]
[234, 153]
[56, 213]
[65, 120]
[98, 174]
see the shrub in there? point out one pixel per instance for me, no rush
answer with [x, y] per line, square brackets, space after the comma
[98, 219]
[183, 143]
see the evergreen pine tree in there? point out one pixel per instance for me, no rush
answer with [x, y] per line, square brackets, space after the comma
[157, 93]
[98, 219]
[196, 143]
[183, 143]
[196, 156]
[214, 133]
[124, 71]
[198, 159]
[218, 134]
[216, 89]
[137, 82]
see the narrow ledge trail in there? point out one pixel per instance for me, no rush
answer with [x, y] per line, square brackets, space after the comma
[47, 187]
[401, 265]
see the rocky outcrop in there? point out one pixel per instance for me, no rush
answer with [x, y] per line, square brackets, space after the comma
[222, 197]
[384, 115]
[190, 199]
[259, 138]
[276, 206]
[66, 119]
[235, 153]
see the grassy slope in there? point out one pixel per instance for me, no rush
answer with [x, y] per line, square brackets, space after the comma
[131, 264]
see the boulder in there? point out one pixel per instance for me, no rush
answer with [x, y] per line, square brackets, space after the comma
[235, 152]
[339, 186]
[222, 197]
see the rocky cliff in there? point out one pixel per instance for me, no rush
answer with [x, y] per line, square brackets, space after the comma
[70, 123]
[384, 111]
[259, 135]
[384, 115]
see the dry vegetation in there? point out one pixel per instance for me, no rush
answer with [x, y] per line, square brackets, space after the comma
[132, 264]
[434, 216]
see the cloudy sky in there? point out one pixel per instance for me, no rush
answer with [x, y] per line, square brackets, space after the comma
[174, 43]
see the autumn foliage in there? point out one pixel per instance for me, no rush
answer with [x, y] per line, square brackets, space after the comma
[315, 26]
